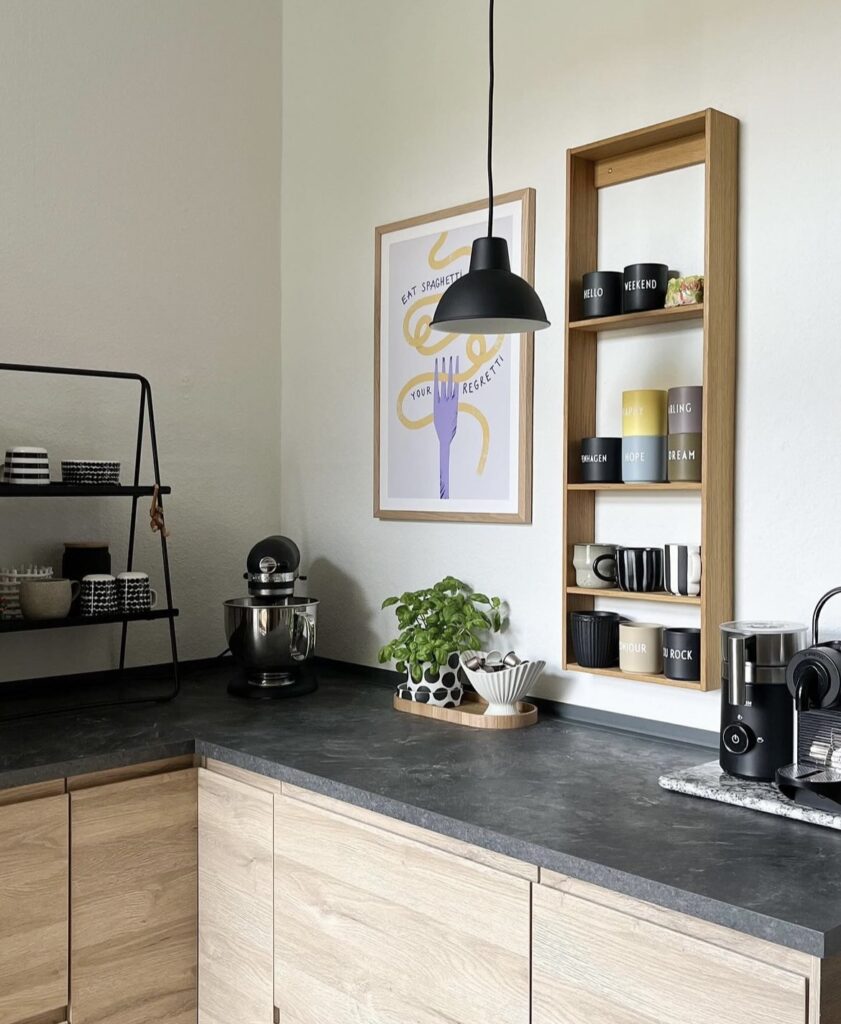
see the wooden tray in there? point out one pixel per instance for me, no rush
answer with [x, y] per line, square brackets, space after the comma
[471, 712]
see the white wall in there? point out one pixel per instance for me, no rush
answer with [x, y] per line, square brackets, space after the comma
[140, 230]
[384, 106]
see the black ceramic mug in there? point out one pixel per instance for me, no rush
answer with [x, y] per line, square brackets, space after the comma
[682, 653]
[600, 459]
[644, 287]
[595, 638]
[602, 293]
[639, 570]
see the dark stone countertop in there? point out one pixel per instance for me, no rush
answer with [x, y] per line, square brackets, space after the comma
[579, 799]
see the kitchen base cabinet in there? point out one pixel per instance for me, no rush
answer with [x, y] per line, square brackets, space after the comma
[33, 910]
[373, 927]
[133, 902]
[599, 964]
[236, 836]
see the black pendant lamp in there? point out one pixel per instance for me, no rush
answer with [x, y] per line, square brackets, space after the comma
[489, 299]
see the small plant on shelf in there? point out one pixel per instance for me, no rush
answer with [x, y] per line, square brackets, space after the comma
[435, 625]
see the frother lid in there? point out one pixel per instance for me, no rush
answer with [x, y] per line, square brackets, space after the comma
[762, 627]
[771, 643]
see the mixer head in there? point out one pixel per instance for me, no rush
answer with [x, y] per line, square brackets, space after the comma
[272, 567]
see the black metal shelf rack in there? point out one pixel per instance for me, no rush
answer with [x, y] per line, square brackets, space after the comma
[135, 491]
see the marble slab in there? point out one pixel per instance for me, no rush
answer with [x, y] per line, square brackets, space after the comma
[711, 783]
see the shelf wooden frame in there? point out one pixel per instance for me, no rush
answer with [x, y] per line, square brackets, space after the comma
[710, 138]
[659, 596]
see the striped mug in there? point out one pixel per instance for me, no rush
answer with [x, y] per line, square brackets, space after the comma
[639, 570]
[682, 569]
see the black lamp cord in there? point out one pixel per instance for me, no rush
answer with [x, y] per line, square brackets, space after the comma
[490, 117]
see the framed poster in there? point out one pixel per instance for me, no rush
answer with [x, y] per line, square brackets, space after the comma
[452, 412]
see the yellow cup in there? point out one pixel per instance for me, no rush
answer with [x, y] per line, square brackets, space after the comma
[644, 413]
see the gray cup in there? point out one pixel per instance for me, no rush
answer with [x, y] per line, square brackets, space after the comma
[686, 407]
[643, 459]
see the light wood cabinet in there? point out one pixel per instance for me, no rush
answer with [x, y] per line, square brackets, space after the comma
[33, 910]
[235, 902]
[596, 964]
[374, 927]
[134, 901]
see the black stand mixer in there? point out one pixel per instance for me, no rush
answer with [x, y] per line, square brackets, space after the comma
[271, 633]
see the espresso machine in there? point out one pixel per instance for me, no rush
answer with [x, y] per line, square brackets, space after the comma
[271, 633]
[813, 678]
[757, 712]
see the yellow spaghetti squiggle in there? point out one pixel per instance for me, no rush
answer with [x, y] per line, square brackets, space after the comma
[444, 261]
[418, 336]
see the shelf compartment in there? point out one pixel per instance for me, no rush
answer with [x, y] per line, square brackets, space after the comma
[661, 596]
[26, 625]
[653, 318]
[634, 677]
[626, 488]
[59, 490]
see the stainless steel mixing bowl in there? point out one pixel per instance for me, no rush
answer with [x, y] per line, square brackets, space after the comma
[271, 640]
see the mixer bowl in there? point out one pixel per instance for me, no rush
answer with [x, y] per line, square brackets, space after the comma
[271, 639]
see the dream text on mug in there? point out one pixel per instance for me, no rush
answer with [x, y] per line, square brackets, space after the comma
[681, 455]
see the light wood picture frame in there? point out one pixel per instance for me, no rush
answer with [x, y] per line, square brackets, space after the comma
[485, 474]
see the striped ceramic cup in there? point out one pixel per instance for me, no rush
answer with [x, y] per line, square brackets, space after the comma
[682, 569]
[639, 570]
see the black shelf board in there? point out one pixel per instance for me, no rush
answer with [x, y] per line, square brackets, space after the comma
[57, 490]
[25, 625]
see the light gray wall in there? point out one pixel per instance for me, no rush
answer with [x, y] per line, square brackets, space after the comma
[140, 230]
[384, 118]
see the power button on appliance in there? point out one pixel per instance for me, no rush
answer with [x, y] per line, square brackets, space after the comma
[737, 739]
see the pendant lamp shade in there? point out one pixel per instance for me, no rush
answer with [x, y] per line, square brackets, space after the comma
[489, 299]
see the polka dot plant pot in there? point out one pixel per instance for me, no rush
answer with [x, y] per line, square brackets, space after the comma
[443, 688]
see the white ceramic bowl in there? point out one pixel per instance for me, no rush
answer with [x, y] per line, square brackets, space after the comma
[503, 690]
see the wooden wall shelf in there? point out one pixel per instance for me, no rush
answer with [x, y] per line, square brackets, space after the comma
[661, 596]
[656, 318]
[687, 485]
[616, 673]
[711, 139]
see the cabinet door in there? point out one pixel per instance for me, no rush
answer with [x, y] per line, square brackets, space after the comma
[33, 909]
[596, 965]
[133, 901]
[235, 902]
[376, 928]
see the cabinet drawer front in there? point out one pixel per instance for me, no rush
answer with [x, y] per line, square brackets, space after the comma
[375, 928]
[133, 901]
[33, 908]
[236, 838]
[596, 965]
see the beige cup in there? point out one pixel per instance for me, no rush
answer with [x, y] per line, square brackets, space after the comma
[47, 599]
[641, 647]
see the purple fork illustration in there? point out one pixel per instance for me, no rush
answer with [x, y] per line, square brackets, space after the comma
[445, 418]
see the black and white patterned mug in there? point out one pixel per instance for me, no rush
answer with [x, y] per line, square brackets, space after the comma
[98, 595]
[682, 569]
[639, 570]
[134, 593]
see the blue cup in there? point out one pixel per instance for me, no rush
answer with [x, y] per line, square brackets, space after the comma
[644, 459]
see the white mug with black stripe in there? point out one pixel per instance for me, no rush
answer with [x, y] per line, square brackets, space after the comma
[682, 569]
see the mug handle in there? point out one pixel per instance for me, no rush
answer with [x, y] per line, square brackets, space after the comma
[693, 571]
[601, 576]
[153, 598]
[75, 589]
